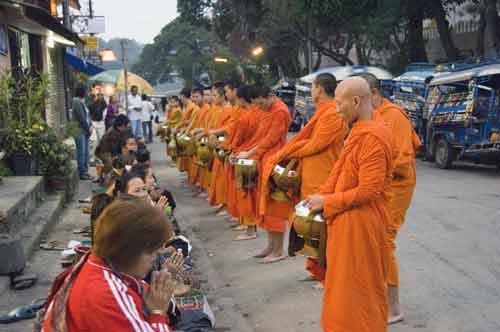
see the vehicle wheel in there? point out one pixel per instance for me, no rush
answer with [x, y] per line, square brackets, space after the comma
[444, 154]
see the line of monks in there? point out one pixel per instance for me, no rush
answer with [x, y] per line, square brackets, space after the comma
[355, 159]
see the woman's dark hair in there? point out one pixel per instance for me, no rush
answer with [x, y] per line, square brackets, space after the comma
[121, 120]
[81, 91]
[141, 170]
[121, 183]
[142, 155]
[124, 139]
[128, 228]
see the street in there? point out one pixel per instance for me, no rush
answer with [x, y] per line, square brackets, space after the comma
[448, 250]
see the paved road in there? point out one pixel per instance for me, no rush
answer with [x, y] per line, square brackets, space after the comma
[449, 255]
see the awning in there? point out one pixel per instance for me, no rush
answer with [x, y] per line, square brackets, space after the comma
[44, 18]
[82, 66]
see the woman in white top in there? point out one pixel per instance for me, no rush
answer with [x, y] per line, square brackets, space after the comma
[147, 117]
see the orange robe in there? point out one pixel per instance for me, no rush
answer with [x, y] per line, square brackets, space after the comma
[317, 147]
[198, 121]
[191, 108]
[356, 209]
[404, 180]
[210, 123]
[174, 117]
[217, 193]
[268, 139]
[233, 129]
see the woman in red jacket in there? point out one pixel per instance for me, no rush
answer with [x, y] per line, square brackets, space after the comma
[104, 291]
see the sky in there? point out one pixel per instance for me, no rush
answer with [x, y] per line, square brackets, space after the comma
[141, 20]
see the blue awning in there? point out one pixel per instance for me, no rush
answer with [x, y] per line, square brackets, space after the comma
[82, 66]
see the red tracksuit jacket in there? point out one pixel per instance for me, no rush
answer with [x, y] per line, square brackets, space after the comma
[100, 301]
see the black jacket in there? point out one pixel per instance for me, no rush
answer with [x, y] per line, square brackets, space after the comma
[79, 115]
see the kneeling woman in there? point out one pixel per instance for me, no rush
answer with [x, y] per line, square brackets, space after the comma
[105, 291]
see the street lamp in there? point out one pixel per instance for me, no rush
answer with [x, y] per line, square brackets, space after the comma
[107, 55]
[257, 51]
[220, 60]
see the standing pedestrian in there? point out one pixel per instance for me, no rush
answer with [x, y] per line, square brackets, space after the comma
[135, 111]
[111, 112]
[97, 109]
[81, 116]
[147, 118]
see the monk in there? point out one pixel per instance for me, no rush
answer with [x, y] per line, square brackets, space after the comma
[189, 109]
[174, 116]
[216, 109]
[354, 201]
[404, 180]
[317, 147]
[244, 131]
[269, 138]
[202, 99]
[217, 193]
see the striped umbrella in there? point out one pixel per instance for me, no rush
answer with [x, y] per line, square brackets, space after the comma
[117, 78]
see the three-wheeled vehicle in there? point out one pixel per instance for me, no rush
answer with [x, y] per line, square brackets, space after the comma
[303, 99]
[464, 122]
[410, 90]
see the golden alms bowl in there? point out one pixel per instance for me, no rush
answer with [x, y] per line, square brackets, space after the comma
[245, 172]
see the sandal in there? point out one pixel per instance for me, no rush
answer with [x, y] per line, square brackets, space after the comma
[24, 312]
[52, 246]
[23, 281]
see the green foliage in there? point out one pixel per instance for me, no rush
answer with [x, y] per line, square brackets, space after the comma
[55, 156]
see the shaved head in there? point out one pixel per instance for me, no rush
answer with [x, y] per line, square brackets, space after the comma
[353, 97]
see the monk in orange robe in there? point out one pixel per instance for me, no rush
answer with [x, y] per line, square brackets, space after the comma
[189, 109]
[243, 125]
[199, 118]
[217, 193]
[269, 138]
[317, 147]
[223, 133]
[355, 201]
[404, 180]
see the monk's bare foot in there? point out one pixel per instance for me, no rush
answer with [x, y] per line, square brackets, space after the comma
[222, 213]
[218, 208]
[244, 237]
[318, 286]
[273, 259]
[396, 319]
[263, 253]
[308, 279]
[203, 195]
[239, 228]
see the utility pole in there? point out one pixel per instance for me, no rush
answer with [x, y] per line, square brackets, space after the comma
[91, 10]
[66, 18]
[125, 71]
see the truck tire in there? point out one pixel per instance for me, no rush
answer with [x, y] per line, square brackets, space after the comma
[444, 154]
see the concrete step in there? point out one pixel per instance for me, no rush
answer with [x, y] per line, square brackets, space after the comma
[38, 224]
[20, 195]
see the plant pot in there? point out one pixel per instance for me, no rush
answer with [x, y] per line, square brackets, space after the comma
[56, 184]
[22, 164]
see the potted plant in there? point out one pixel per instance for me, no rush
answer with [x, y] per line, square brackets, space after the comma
[55, 161]
[22, 101]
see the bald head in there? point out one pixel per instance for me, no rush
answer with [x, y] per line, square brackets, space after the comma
[353, 99]
[375, 88]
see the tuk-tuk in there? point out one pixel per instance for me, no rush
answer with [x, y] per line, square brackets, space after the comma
[464, 122]
[303, 99]
[409, 91]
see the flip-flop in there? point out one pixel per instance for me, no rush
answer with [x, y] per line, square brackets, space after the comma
[52, 245]
[267, 260]
[85, 200]
[23, 312]
[261, 255]
[23, 281]
[239, 228]
[82, 230]
[308, 279]
[245, 237]
[396, 319]
[222, 213]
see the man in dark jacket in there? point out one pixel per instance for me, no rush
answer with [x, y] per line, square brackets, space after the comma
[109, 146]
[80, 116]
